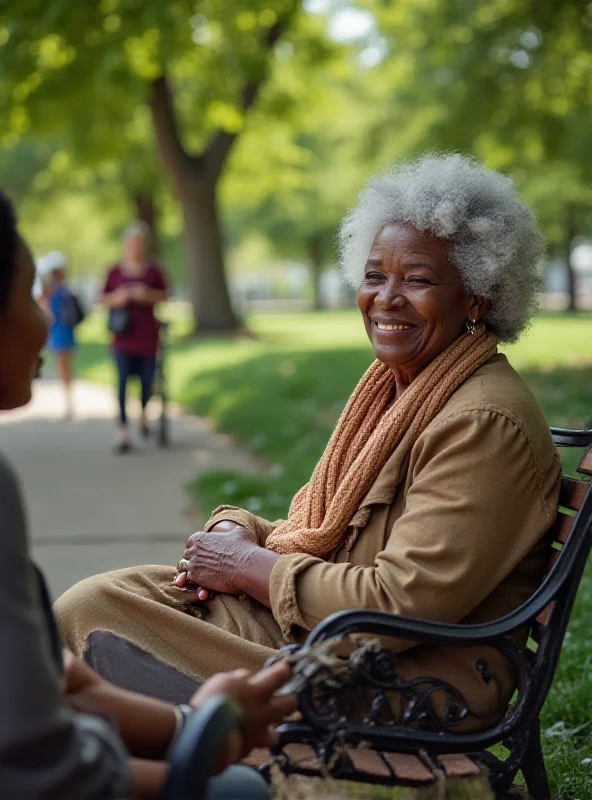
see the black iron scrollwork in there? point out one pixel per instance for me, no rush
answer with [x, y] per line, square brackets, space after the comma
[366, 687]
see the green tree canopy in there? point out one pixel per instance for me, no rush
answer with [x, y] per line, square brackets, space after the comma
[110, 73]
[509, 81]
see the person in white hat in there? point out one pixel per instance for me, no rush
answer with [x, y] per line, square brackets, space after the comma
[64, 312]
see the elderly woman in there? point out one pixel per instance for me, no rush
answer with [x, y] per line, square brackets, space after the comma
[434, 492]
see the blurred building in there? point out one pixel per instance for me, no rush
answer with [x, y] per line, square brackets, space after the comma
[288, 286]
[556, 281]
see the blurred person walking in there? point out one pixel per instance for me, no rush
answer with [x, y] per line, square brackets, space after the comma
[134, 286]
[64, 312]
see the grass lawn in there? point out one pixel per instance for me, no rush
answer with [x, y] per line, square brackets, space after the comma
[281, 393]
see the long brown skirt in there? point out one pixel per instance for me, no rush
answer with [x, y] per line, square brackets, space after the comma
[141, 606]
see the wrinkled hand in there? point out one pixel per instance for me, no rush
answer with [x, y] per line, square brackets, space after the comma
[255, 695]
[215, 562]
[198, 593]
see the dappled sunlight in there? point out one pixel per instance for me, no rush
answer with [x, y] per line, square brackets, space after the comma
[240, 137]
[553, 340]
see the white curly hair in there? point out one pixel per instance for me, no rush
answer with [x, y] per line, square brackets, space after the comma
[495, 242]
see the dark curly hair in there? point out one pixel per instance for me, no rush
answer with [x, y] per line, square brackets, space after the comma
[8, 247]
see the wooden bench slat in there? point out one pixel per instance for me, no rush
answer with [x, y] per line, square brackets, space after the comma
[257, 757]
[402, 766]
[369, 761]
[585, 465]
[303, 756]
[544, 615]
[562, 526]
[572, 493]
[408, 768]
[553, 556]
[458, 765]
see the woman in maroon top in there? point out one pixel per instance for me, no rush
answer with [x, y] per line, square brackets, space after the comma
[137, 284]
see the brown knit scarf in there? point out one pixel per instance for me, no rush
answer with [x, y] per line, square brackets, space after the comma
[366, 435]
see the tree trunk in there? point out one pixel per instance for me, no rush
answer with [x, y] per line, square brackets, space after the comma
[314, 244]
[570, 232]
[206, 278]
[146, 211]
[195, 179]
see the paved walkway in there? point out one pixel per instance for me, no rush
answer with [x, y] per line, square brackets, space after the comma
[90, 510]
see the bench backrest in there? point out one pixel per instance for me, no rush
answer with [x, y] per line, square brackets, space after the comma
[570, 541]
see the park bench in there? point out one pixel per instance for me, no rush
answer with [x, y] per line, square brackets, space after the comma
[417, 744]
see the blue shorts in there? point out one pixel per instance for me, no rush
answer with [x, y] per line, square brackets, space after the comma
[60, 338]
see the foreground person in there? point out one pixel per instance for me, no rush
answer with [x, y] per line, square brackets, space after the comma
[433, 494]
[53, 746]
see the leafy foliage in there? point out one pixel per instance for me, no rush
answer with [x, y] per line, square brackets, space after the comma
[509, 81]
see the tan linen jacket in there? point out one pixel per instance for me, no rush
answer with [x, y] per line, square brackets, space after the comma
[458, 540]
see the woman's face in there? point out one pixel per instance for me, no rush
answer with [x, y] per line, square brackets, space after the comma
[134, 247]
[412, 299]
[57, 276]
[23, 331]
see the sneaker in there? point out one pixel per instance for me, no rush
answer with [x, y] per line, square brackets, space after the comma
[122, 447]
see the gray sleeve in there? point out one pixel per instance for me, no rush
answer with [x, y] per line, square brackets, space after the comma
[46, 751]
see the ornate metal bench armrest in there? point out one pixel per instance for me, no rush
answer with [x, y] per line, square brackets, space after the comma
[380, 623]
[565, 437]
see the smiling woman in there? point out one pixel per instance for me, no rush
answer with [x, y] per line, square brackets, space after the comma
[412, 300]
[492, 238]
[435, 489]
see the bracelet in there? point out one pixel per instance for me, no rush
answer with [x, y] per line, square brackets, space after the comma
[182, 714]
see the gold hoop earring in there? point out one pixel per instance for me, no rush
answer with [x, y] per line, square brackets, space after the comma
[471, 325]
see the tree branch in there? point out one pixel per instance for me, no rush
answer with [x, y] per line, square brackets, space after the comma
[221, 142]
[168, 141]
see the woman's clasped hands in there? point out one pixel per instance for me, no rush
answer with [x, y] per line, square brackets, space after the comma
[212, 562]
